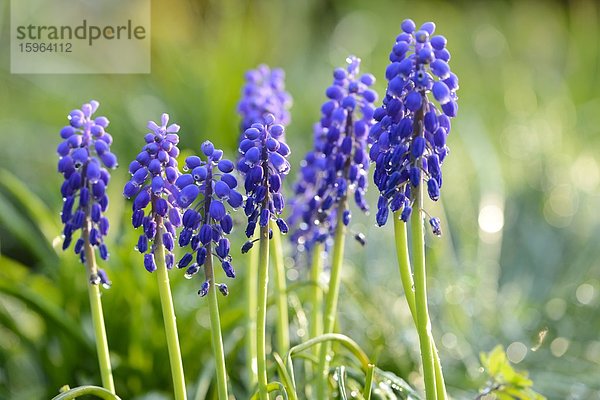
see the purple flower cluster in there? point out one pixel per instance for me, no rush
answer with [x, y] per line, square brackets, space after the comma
[409, 138]
[264, 93]
[203, 194]
[338, 164]
[84, 158]
[263, 163]
[153, 176]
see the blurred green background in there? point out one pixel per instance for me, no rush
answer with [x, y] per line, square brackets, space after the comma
[517, 265]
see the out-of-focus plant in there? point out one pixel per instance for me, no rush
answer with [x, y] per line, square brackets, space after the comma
[504, 382]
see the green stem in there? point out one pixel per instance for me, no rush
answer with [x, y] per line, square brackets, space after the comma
[168, 311]
[404, 263]
[215, 327]
[369, 382]
[423, 324]
[261, 313]
[251, 301]
[316, 299]
[408, 285]
[282, 325]
[70, 394]
[96, 309]
[101, 340]
[332, 298]
[440, 384]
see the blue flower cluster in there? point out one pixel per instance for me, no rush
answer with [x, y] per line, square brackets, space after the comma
[409, 138]
[203, 192]
[338, 163]
[84, 158]
[153, 176]
[263, 163]
[264, 93]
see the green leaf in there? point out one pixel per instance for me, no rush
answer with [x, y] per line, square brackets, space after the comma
[30, 204]
[396, 384]
[495, 361]
[21, 290]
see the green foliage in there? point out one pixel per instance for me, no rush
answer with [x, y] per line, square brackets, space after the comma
[505, 383]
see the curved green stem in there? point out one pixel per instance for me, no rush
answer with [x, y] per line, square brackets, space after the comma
[251, 302]
[261, 313]
[168, 311]
[344, 340]
[74, 393]
[423, 324]
[96, 309]
[332, 299]
[408, 285]
[215, 327]
[281, 303]
[288, 380]
[273, 387]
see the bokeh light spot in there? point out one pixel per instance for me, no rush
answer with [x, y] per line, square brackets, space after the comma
[491, 218]
[559, 346]
[555, 308]
[516, 352]
[489, 41]
[449, 340]
[585, 293]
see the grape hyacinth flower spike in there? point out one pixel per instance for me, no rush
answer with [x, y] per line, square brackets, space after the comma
[334, 170]
[152, 185]
[409, 138]
[204, 190]
[263, 163]
[155, 210]
[338, 165]
[263, 94]
[85, 158]
[408, 149]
